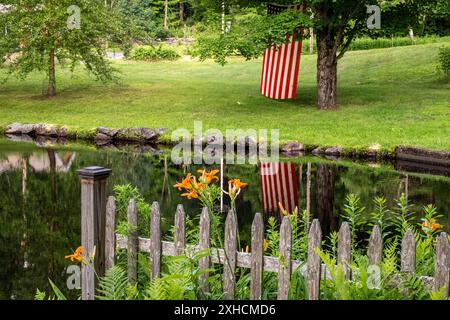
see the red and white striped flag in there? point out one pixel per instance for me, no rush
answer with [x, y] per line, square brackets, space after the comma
[278, 185]
[281, 64]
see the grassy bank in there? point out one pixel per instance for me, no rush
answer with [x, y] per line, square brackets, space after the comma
[387, 96]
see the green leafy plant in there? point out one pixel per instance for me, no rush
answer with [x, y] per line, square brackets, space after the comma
[123, 194]
[403, 219]
[429, 224]
[154, 53]
[424, 256]
[444, 61]
[353, 214]
[180, 280]
[273, 237]
[341, 287]
[380, 216]
[58, 295]
[389, 263]
[298, 285]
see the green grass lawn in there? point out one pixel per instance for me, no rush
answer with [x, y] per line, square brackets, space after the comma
[386, 96]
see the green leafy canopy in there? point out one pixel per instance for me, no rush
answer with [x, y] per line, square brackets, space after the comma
[32, 31]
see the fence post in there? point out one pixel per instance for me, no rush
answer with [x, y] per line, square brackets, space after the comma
[229, 267]
[344, 249]
[375, 250]
[155, 241]
[285, 268]
[180, 230]
[93, 212]
[133, 242]
[442, 265]
[110, 233]
[314, 264]
[205, 244]
[408, 254]
[257, 257]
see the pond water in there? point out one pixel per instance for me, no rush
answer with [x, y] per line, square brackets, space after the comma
[40, 200]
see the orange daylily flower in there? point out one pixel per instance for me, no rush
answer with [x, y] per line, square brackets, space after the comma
[208, 177]
[234, 186]
[77, 255]
[237, 184]
[198, 186]
[432, 225]
[190, 195]
[195, 189]
[185, 183]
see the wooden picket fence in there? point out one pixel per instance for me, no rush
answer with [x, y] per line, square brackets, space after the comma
[313, 270]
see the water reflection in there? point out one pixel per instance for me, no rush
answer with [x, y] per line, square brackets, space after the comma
[325, 197]
[278, 186]
[409, 166]
[39, 162]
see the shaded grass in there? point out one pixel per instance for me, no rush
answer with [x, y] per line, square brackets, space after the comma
[386, 96]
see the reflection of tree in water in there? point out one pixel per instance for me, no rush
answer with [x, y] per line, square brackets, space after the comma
[54, 198]
[39, 161]
[39, 220]
[324, 197]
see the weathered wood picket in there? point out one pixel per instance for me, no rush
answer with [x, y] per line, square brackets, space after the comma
[314, 270]
[229, 256]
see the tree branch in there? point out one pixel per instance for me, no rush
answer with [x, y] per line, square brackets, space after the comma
[349, 40]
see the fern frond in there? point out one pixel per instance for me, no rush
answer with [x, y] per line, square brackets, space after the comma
[413, 287]
[439, 295]
[156, 290]
[390, 259]
[113, 286]
[39, 295]
[424, 256]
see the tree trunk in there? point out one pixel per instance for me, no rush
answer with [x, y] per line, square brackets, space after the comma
[326, 71]
[223, 17]
[411, 35]
[51, 89]
[166, 14]
[181, 11]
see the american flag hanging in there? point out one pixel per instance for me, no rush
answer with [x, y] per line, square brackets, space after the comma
[281, 64]
[278, 185]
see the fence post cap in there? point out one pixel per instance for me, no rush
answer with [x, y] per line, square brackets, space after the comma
[94, 173]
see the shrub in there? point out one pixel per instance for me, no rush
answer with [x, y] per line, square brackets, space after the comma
[152, 53]
[444, 61]
[366, 43]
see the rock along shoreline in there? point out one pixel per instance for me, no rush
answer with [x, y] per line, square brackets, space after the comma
[104, 136]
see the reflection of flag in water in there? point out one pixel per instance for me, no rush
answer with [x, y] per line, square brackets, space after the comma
[278, 184]
[279, 76]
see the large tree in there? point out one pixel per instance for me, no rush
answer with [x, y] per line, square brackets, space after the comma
[336, 22]
[40, 34]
